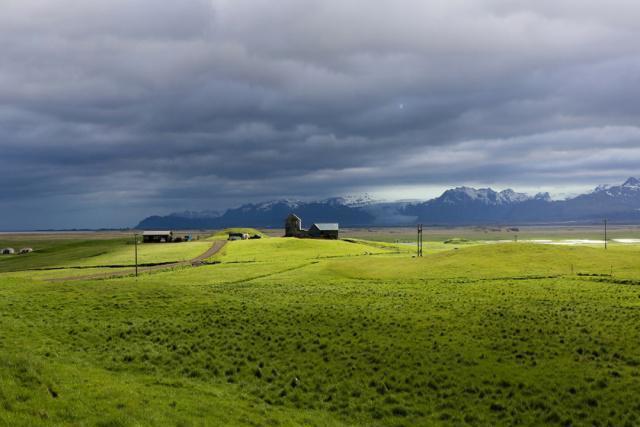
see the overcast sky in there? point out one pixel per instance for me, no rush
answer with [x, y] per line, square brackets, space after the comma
[112, 110]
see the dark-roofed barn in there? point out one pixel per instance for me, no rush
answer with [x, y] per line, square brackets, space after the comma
[293, 228]
[324, 230]
[157, 236]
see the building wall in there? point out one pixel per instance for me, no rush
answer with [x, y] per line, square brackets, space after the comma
[156, 239]
[323, 234]
[293, 227]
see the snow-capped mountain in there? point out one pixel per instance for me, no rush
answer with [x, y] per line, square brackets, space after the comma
[542, 196]
[269, 205]
[632, 183]
[457, 206]
[356, 200]
[616, 202]
[485, 196]
[630, 188]
[465, 205]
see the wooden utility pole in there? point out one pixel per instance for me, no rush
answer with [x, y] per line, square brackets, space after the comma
[605, 234]
[420, 240]
[135, 244]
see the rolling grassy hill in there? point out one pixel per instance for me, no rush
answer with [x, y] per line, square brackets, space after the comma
[302, 332]
[293, 250]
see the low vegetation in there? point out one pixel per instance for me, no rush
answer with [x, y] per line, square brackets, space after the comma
[304, 332]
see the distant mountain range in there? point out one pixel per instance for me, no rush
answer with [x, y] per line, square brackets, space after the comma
[458, 206]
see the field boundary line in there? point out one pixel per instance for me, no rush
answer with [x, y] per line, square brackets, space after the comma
[86, 267]
[262, 276]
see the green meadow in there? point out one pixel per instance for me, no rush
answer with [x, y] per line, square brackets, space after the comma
[293, 332]
[97, 253]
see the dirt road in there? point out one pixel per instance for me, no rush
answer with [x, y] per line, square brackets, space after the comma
[217, 245]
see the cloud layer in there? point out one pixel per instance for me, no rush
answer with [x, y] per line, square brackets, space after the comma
[112, 110]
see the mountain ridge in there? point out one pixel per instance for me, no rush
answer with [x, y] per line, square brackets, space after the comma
[457, 206]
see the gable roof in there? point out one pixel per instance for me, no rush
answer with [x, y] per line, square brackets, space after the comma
[157, 233]
[327, 226]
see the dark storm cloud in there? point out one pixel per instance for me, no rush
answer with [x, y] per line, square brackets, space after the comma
[112, 110]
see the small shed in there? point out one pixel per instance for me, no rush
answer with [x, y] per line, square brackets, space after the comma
[7, 251]
[157, 236]
[324, 230]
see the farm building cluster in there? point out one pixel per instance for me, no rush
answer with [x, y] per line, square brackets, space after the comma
[293, 228]
[243, 236]
[163, 236]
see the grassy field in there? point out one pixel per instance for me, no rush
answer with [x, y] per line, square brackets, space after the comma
[57, 252]
[151, 253]
[493, 233]
[296, 250]
[76, 253]
[302, 332]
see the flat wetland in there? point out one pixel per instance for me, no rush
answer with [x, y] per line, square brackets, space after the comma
[359, 331]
